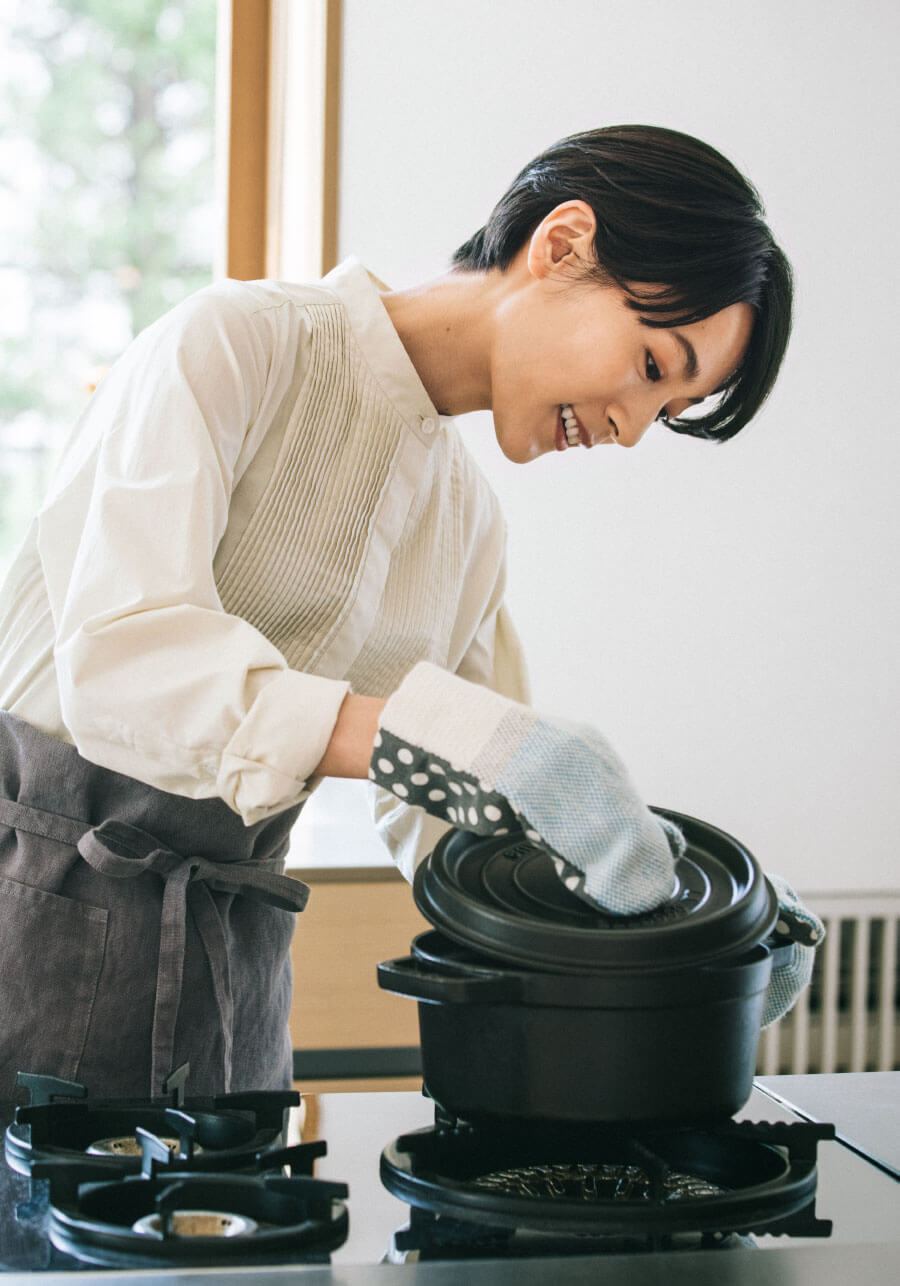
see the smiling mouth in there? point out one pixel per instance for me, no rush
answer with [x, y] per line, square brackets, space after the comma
[571, 432]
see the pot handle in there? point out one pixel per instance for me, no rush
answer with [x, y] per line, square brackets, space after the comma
[779, 950]
[408, 977]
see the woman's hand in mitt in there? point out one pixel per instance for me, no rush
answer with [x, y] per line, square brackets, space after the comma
[488, 764]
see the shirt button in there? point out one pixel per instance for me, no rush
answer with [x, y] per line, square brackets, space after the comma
[429, 425]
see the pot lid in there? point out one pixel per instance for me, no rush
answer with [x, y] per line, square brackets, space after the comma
[501, 896]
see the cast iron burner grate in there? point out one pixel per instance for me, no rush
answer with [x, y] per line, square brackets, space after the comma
[170, 1215]
[586, 1181]
[222, 1132]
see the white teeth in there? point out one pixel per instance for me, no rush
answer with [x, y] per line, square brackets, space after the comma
[570, 425]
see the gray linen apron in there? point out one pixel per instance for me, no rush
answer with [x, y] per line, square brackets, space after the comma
[138, 930]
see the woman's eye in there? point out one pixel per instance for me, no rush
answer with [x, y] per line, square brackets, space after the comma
[652, 371]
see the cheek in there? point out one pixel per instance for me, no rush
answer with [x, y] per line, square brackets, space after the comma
[519, 388]
[535, 364]
[591, 360]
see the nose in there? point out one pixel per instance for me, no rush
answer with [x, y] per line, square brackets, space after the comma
[629, 425]
[634, 408]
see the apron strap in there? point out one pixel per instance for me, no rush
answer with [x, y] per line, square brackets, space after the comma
[118, 850]
[22, 817]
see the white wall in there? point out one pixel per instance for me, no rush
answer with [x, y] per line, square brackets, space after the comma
[729, 616]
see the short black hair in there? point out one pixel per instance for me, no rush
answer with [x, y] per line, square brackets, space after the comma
[679, 229]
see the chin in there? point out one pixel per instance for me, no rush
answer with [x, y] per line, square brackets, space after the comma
[519, 456]
[516, 447]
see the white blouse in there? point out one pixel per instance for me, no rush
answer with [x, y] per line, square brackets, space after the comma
[259, 510]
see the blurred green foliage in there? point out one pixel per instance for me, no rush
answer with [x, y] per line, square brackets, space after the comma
[107, 205]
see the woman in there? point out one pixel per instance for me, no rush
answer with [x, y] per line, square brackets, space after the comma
[266, 558]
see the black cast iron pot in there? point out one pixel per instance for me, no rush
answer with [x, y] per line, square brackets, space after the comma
[533, 1004]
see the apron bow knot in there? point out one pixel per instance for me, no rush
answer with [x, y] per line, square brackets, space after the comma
[121, 851]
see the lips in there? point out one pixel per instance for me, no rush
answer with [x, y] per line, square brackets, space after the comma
[584, 437]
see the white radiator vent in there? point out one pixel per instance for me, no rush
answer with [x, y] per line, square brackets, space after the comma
[848, 1020]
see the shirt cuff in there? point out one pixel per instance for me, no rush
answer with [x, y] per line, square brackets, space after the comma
[266, 765]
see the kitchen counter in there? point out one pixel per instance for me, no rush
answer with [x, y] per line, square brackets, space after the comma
[865, 1107]
[856, 1190]
[874, 1265]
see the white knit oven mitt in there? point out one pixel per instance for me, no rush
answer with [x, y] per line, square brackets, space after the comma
[489, 764]
[804, 930]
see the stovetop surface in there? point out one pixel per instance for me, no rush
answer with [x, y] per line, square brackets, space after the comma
[859, 1196]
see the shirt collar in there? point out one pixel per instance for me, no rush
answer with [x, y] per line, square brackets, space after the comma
[360, 293]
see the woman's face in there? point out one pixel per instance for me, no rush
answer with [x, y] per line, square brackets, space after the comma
[563, 342]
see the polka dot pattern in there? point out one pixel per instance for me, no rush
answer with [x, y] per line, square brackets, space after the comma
[418, 778]
[795, 926]
[572, 878]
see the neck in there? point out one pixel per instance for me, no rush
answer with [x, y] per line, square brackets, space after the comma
[446, 327]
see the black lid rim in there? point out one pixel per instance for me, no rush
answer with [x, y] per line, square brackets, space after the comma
[531, 942]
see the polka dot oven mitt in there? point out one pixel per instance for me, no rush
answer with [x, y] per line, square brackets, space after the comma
[488, 764]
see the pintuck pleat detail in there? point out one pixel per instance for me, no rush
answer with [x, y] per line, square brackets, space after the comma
[352, 562]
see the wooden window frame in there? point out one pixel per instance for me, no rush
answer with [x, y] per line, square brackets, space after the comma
[253, 107]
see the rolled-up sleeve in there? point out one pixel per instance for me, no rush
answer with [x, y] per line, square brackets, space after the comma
[156, 680]
[494, 658]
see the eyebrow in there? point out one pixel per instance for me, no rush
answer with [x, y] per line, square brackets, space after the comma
[691, 366]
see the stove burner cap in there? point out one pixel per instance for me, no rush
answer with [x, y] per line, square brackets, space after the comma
[127, 1145]
[196, 1223]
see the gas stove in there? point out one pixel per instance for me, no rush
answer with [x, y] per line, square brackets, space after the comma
[162, 1183]
[181, 1184]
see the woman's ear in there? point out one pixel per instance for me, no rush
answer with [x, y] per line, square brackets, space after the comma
[562, 237]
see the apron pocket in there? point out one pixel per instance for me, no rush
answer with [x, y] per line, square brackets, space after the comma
[51, 951]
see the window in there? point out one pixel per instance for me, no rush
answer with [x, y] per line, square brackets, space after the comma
[144, 149]
[108, 211]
